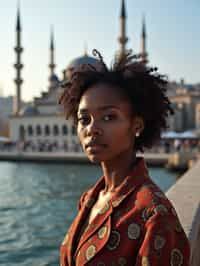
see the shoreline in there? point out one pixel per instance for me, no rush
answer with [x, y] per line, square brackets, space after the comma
[152, 159]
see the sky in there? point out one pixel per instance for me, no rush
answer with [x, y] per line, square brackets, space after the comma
[173, 37]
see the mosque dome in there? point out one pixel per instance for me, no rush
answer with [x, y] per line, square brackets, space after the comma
[29, 110]
[85, 59]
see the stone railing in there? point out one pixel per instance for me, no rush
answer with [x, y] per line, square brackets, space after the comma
[185, 196]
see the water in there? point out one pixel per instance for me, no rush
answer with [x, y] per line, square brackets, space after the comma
[37, 205]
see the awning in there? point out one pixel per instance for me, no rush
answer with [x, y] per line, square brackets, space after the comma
[180, 135]
[4, 139]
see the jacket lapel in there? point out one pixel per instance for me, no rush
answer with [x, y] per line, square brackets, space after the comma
[82, 215]
[92, 245]
[96, 224]
[73, 233]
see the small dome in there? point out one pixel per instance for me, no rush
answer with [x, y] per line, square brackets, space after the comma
[54, 78]
[82, 60]
[29, 110]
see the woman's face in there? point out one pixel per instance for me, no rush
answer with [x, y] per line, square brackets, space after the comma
[106, 125]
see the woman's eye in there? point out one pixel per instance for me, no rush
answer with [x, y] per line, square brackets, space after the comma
[108, 117]
[84, 120]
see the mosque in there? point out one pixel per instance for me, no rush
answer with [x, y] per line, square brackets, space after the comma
[42, 124]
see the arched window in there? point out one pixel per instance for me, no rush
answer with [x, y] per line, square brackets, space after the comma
[64, 130]
[30, 130]
[55, 130]
[73, 130]
[47, 130]
[21, 132]
[38, 130]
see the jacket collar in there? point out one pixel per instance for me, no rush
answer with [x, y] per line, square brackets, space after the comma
[135, 177]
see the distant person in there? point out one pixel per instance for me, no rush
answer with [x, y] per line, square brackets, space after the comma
[124, 219]
[177, 144]
[167, 146]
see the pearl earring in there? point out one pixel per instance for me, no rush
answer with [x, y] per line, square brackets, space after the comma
[137, 134]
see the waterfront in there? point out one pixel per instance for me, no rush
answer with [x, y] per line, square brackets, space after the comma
[37, 205]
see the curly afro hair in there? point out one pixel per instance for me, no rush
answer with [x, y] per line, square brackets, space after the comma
[144, 87]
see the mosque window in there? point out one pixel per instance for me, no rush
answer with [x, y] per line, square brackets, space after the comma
[47, 130]
[30, 130]
[38, 130]
[21, 132]
[64, 130]
[73, 130]
[55, 130]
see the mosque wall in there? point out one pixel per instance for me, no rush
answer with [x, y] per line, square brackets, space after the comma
[48, 109]
[48, 130]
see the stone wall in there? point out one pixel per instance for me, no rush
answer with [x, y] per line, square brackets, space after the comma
[185, 196]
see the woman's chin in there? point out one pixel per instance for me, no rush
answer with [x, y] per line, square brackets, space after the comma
[98, 158]
[94, 159]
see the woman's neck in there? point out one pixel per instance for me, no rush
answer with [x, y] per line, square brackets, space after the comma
[114, 172]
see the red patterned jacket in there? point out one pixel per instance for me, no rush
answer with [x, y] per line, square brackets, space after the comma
[137, 226]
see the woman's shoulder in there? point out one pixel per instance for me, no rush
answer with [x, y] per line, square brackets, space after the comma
[150, 197]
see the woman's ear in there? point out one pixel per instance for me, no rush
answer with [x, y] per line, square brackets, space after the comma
[138, 126]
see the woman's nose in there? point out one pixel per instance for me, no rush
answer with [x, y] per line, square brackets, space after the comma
[94, 128]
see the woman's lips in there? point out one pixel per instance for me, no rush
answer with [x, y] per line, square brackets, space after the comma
[95, 147]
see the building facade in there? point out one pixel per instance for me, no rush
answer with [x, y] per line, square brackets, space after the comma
[186, 103]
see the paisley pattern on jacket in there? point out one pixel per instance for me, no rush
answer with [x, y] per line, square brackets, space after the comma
[137, 226]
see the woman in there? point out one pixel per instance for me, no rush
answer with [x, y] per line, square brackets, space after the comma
[124, 219]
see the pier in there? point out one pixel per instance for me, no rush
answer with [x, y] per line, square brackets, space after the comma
[177, 161]
[185, 196]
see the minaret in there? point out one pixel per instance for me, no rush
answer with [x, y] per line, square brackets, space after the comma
[52, 77]
[143, 51]
[52, 63]
[122, 38]
[18, 66]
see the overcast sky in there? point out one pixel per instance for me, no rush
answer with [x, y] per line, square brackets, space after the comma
[173, 36]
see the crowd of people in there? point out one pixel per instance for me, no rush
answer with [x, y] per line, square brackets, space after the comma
[176, 145]
[41, 146]
[164, 146]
